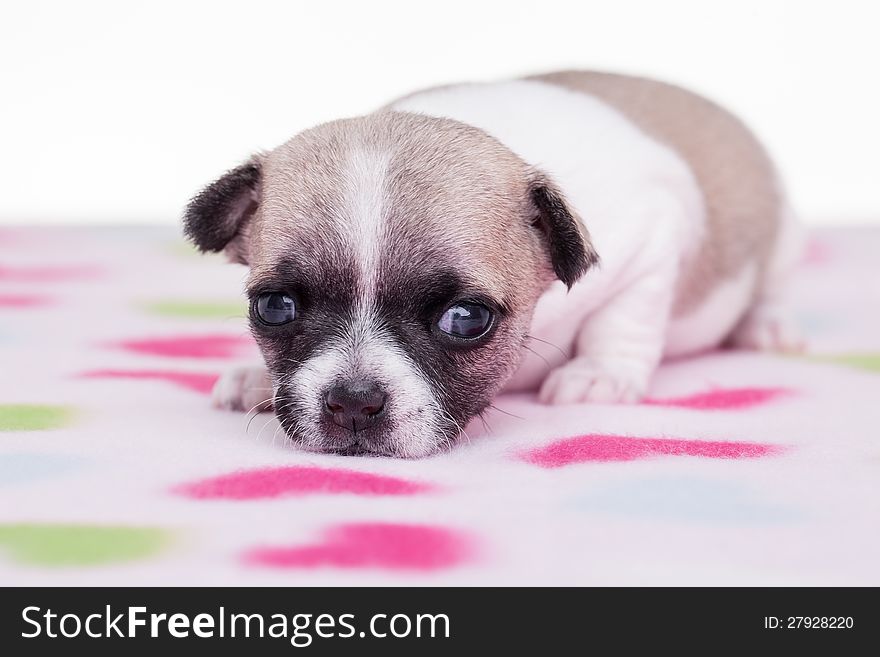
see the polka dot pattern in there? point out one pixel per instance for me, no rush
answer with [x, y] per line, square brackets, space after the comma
[738, 468]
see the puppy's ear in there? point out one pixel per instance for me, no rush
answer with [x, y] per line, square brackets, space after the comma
[217, 218]
[567, 240]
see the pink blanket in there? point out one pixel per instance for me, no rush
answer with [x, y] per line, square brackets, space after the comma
[741, 468]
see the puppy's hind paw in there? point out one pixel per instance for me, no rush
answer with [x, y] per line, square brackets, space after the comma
[243, 389]
[581, 381]
[768, 329]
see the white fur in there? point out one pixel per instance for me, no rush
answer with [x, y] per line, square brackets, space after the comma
[363, 182]
[413, 415]
[645, 214]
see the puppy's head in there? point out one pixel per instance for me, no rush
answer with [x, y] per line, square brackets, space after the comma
[395, 261]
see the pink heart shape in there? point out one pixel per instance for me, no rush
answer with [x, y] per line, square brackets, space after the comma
[22, 301]
[603, 448]
[197, 381]
[48, 273]
[191, 346]
[722, 399]
[373, 545]
[266, 483]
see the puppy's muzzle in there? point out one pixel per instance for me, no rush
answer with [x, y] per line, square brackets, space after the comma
[355, 405]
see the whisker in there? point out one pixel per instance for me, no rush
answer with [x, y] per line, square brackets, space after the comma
[275, 433]
[501, 410]
[448, 416]
[486, 424]
[255, 413]
[549, 344]
[546, 362]
[263, 428]
[260, 403]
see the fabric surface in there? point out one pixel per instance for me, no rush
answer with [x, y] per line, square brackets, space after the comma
[741, 468]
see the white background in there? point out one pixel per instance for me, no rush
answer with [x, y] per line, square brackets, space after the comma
[118, 112]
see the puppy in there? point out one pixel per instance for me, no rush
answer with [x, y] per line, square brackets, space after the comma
[560, 233]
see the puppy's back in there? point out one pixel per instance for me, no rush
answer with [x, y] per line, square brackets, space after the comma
[743, 198]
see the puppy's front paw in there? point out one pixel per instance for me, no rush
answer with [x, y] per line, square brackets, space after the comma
[243, 389]
[581, 380]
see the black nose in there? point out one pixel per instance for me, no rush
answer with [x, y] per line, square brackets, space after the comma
[355, 405]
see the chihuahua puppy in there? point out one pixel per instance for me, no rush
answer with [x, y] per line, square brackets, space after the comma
[560, 233]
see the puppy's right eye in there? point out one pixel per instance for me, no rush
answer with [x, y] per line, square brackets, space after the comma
[275, 309]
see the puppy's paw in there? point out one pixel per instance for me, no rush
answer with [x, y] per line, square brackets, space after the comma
[581, 380]
[243, 389]
[768, 328]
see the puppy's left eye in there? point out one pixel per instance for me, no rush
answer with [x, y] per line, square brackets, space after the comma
[465, 320]
[275, 308]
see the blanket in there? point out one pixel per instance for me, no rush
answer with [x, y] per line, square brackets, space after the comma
[740, 468]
